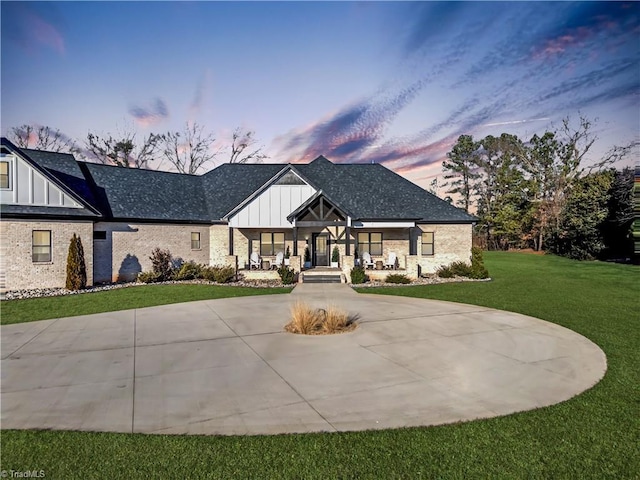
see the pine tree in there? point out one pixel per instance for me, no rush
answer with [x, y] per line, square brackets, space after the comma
[76, 269]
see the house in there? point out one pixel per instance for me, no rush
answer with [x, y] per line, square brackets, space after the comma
[217, 218]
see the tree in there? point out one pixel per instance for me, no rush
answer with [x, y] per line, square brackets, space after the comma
[554, 163]
[41, 137]
[578, 234]
[241, 147]
[124, 151]
[76, 268]
[190, 150]
[498, 184]
[616, 229]
[460, 169]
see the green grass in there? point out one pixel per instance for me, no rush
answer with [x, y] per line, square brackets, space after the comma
[594, 435]
[28, 310]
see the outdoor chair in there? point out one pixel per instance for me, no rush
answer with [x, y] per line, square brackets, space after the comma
[278, 262]
[366, 260]
[391, 263]
[254, 261]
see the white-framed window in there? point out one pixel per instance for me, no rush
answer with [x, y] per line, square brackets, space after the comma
[5, 175]
[41, 246]
[428, 243]
[370, 242]
[271, 243]
[195, 240]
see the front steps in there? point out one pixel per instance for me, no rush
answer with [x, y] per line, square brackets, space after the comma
[322, 275]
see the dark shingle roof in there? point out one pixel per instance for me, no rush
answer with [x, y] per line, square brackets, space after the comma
[364, 191]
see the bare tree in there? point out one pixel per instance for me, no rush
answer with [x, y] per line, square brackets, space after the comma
[190, 150]
[41, 137]
[242, 147]
[124, 151]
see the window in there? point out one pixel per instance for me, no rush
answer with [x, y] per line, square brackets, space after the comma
[271, 243]
[5, 175]
[99, 235]
[370, 242]
[427, 243]
[41, 246]
[195, 240]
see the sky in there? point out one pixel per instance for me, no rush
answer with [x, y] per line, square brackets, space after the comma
[394, 83]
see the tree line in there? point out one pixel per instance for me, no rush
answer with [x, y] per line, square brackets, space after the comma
[539, 193]
[188, 151]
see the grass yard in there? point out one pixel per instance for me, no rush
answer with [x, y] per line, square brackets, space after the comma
[29, 310]
[595, 435]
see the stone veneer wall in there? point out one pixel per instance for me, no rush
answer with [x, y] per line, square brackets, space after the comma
[452, 243]
[127, 248]
[19, 270]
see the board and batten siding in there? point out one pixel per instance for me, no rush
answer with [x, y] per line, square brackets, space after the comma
[29, 187]
[271, 207]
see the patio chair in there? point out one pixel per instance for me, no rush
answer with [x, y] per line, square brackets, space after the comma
[366, 260]
[278, 262]
[391, 263]
[254, 261]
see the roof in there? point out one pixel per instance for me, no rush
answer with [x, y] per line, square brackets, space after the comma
[364, 191]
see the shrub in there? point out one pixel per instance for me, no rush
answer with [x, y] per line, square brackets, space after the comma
[148, 277]
[304, 319]
[287, 253]
[445, 272]
[308, 321]
[460, 269]
[307, 255]
[335, 255]
[478, 270]
[397, 278]
[161, 264]
[189, 271]
[76, 268]
[218, 274]
[287, 275]
[358, 275]
[336, 320]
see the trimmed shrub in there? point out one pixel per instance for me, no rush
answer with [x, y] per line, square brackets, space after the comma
[161, 264]
[307, 255]
[335, 255]
[358, 275]
[76, 268]
[189, 271]
[148, 277]
[478, 270]
[397, 278]
[287, 275]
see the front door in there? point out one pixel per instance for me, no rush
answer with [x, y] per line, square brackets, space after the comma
[320, 249]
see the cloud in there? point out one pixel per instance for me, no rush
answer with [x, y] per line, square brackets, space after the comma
[516, 122]
[201, 94]
[33, 26]
[151, 114]
[352, 129]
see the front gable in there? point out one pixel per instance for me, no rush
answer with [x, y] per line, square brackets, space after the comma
[270, 205]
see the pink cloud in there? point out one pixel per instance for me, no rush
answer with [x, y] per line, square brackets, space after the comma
[44, 33]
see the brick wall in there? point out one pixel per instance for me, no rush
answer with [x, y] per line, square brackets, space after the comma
[127, 248]
[19, 270]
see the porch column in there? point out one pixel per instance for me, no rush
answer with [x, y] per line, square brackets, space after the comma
[230, 240]
[295, 241]
[347, 245]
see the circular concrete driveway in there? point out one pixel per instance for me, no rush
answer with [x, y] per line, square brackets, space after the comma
[225, 367]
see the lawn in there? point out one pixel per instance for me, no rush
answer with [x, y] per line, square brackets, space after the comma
[28, 310]
[594, 435]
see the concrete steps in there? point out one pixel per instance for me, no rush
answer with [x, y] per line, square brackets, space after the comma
[322, 275]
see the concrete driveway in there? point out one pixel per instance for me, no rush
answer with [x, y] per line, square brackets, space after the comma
[226, 367]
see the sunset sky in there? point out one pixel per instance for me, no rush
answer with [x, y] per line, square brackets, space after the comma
[394, 83]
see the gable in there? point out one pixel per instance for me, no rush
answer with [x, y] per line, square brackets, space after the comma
[271, 207]
[29, 187]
